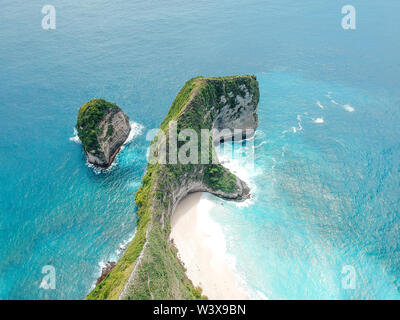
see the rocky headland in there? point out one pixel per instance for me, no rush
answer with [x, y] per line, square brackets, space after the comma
[149, 267]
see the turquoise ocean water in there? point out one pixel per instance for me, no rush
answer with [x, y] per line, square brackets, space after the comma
[326, 180]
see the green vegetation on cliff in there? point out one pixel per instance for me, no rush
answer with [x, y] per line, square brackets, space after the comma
[217, 178]
[159, 274]
[89, 117]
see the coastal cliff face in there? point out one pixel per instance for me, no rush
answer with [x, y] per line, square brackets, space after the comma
[103, 128]
[238, 112]
[149, 268]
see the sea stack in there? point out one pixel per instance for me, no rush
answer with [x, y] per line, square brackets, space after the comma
[102, 128]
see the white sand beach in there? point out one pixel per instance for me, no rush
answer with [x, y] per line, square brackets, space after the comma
[201, 246]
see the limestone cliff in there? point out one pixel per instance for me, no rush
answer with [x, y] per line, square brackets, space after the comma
[103, 128]
[149, 268]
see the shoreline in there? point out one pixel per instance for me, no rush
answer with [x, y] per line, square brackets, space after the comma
[201, 248]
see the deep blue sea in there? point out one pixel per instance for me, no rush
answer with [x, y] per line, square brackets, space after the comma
[326, 180]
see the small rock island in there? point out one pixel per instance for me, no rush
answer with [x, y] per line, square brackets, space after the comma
[102, 128]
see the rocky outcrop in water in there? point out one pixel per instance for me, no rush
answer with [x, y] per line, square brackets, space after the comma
[102, 128]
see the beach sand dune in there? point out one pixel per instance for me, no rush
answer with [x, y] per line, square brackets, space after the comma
[201, 247]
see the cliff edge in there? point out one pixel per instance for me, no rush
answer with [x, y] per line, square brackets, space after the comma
[149, 268]
[103, 128]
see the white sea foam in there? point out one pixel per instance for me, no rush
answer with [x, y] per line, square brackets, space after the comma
[75, 138]
[102, 264]
[348, 108]
[295, 129]
[274, 165]
[318, 120]
[329, 95]
[242, 167]
[261, 295]
[136, 130]
[262, 143]
[300, 127]
[320, 105]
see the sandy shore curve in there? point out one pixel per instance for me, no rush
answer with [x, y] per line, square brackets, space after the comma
[201, 245]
